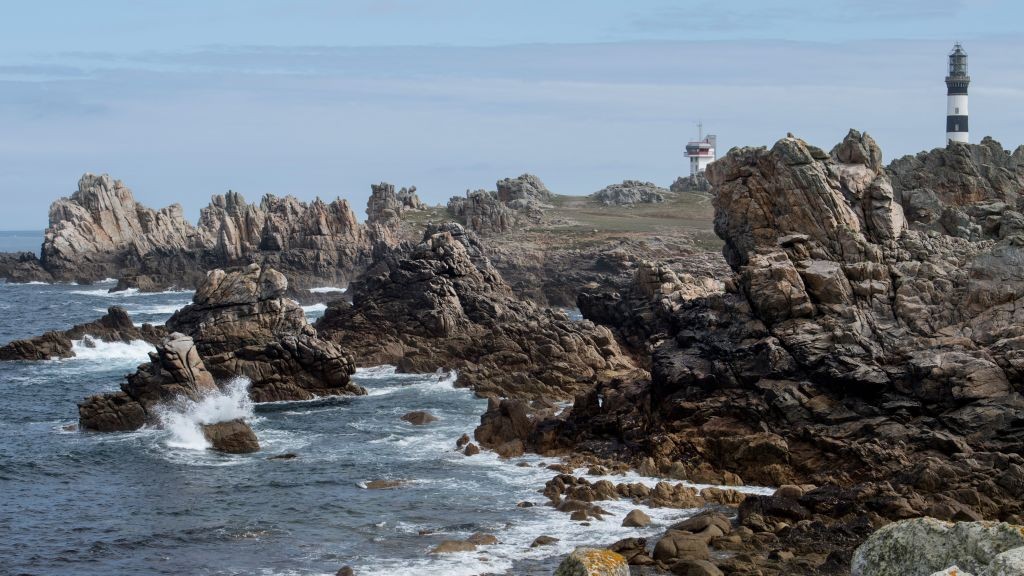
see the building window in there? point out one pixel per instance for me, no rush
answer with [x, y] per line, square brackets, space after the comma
[957, 111]
[956, 127]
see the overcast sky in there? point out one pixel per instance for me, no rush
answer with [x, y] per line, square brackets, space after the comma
[188, 98]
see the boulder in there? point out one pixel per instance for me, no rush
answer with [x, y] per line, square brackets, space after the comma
[593, 562]
[636, 519]
[450, 546]
[922, 546]
[419, 418]
[232, 437]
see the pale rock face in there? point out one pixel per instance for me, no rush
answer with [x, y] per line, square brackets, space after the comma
[101, 231]
[93, 229]
[923, 546]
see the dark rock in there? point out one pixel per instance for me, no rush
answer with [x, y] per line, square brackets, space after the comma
[441, 304]
[232, 437]
[114, 326]
[543, 541]
[419, 418]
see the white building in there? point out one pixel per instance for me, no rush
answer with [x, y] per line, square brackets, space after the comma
[701, 153]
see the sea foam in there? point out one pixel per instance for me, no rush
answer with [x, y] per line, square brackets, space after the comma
[92, 349]
[327, 289]
[184, 418]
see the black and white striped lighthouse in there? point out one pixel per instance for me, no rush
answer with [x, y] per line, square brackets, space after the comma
[956, 96]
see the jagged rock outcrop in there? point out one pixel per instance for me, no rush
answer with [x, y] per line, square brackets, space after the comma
[640, 313]
[523, 191]
[971, 191]
[386, 206]
[850, 351]
[698, 183]
[440, 304]
[243, 325]
[91, 233]
[519, 202]
[114, 326]
[101, 232]
[312, 243]
[238, 325]
[175, 370]
[630, 192]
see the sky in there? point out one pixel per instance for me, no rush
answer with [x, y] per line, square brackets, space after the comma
[183, 99]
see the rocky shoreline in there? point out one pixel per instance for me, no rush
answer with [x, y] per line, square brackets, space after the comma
[862, 354]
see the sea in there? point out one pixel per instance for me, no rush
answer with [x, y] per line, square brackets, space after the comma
[158, 501]
[21, 241]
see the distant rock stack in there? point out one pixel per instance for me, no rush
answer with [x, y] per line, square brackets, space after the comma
[517, 203]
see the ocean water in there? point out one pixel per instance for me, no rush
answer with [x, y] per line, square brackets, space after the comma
[156, 501]
[21, 241]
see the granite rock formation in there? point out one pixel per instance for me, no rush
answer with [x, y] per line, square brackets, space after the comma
[630, 192]
[849, 350]
[101, 232]
[518, 202]
[23, 267]
[243, 325]
[440, 304]
[91, 234]
[925, 546]
[698, 183]
[175, 370]
[386, 206]
[972, 191]
[238, 325]
[114, 326]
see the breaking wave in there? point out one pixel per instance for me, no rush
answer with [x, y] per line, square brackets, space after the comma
[184, 418]
[327, 289]
[89, 348]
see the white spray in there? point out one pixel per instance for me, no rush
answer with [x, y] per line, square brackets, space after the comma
[184, 418]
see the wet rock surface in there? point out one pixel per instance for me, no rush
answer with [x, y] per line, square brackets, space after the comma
[231, 437]
[114, 326]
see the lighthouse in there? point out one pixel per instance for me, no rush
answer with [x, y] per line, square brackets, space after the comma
[701, 152]
[956, 96]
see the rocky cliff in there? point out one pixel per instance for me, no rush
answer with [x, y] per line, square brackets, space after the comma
[440, 304]
[872, 361]
[101, 232]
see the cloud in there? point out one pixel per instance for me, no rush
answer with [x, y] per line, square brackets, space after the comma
[328, 121]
